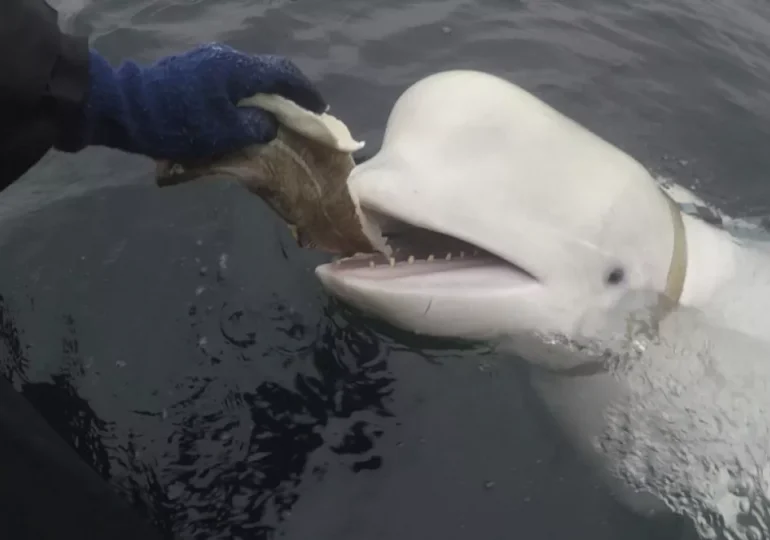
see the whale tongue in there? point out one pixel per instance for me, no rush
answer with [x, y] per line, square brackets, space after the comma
[301, 174]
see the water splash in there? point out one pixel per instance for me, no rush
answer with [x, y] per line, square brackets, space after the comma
[693, 425]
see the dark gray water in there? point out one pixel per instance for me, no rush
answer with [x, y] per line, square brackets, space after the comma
[180, 342]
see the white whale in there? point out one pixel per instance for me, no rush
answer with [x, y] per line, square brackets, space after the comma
[510, 221]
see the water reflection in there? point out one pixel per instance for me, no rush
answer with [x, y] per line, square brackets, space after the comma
[239, 470]
[205, 414]
[13, 360]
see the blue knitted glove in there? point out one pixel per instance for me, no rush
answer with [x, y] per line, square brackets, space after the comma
[185, 106]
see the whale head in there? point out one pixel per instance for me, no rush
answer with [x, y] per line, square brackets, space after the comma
[503, 216]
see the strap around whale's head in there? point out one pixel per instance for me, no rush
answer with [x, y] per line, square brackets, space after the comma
[677, 270]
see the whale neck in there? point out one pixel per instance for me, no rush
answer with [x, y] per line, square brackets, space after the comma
[712, 260]
[579, 404]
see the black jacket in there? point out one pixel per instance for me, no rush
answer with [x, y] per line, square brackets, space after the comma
[43, 83]
[46, 491]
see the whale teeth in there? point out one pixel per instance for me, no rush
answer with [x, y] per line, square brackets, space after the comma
[379, 260]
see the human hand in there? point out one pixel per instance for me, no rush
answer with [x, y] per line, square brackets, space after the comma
[185, 105]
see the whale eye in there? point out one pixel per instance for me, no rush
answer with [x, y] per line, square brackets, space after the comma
[615, 276]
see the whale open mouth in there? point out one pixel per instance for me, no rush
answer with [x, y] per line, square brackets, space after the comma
[417, 251]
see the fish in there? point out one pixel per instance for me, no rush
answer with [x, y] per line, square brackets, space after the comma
[301, 175]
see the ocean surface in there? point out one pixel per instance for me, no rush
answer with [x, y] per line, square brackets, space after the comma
[180, 342]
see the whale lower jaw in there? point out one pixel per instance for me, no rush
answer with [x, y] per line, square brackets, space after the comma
[466, 273]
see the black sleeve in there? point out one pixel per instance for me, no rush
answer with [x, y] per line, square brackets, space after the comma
[43, 83]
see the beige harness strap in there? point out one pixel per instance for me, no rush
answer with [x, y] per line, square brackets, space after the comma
[677, 272]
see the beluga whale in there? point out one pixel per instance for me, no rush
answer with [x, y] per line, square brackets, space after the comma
[506, 221]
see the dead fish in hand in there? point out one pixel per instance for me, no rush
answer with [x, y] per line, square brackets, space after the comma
[301, 174]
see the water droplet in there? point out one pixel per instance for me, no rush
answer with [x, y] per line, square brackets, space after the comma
[739, 485]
